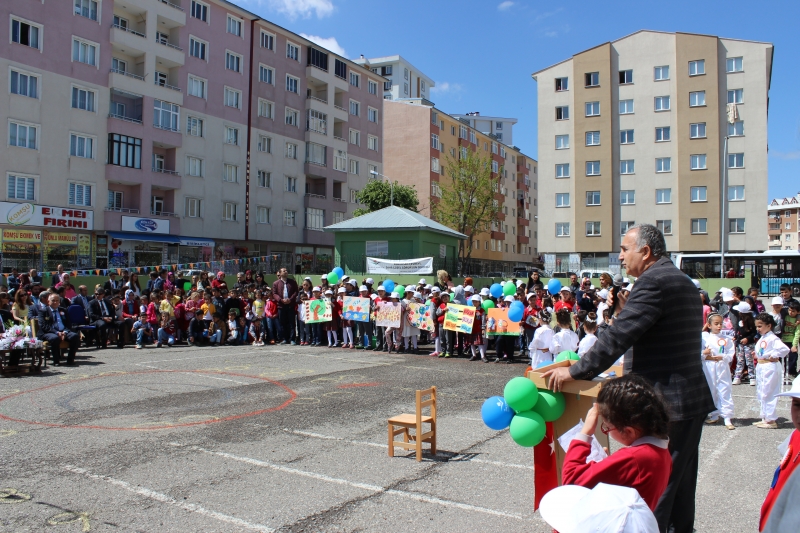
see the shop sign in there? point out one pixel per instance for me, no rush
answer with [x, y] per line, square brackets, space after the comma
[28, 214]
[84, 244]
[145, 225]
[22, 235]
[61, 239]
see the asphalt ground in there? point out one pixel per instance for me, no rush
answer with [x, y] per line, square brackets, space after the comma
[290, 438]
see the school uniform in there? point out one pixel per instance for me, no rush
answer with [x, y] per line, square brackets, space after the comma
[540, 346]
[564, 340]
[769, 374]
[586, 343]
[718, 373]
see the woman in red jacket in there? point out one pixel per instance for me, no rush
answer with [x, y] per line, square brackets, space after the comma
[636, 417]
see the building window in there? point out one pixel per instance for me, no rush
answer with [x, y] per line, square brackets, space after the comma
[198, 48]
[196, 87]
[354, 196]
[25, 33]
[627, 166]
[697, 68]
[593, 229]
[625, 77]
[194, 126]
[626, 137]
[292, 84]
[699, 194]
[593, 168]
[81, 146]
[562, 84]
[663, 164]
[372, 142]
[21, 188]
[562, 142]
[83, 99]
[199, 11]
[625, 226]
[372, 114]
[662, 134]
[664, 226]
[234, 26]
[734, 64]
[354, 167]
[697, 162]
[80, 194]
[193, 207]
[735, 160]
[166, 116]
[697, 99]
[233, 98]
[338, 216]
[435, 164]
[264, 179]
[592, 109]
[662, 103]
[562, 229]
[562, 170]
[266, 109]
[266, 74]
[592, 198]
[592, 79]
[663, 196]
[231, 135]
[736, 96]
[562, 113]
[22, 135]
[626, 107]
[265, 144]
[290, 184]
[736, 193]
[84, 52]
[661, 73]
[292, 117]
[355, 137]
[562, 199]
[315, 219]
[340, 69]
[340, 160]
[699, 225]
[267, 40]
[194, 166]
[697, 131]
[289, 218]
[24, 84]
[230, 173]
[229, 211]
[736, 129]
[355, 108]
[114, 200]
[124, 151]
[434, 141]
[436, 189]
[263, 215]
[372, 86]
[355, 79]
[592, 138]
[317, 58]
[627, 197]
[291, 151]
[495, 167]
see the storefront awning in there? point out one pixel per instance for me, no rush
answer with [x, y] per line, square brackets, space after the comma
[191, 241]
[149, 237]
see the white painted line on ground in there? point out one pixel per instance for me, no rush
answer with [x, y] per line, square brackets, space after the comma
[193, 358]
[163, 498]
[711, 457]
[213, 377]
[460, 458]
[468, 418]
[364, 486]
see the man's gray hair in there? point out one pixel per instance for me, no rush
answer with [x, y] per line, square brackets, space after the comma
[649, 235]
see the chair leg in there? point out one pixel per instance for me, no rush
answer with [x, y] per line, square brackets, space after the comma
[391, 441]
[418, 442]
[433, 438]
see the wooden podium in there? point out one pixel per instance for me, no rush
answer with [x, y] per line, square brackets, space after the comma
[579, 395]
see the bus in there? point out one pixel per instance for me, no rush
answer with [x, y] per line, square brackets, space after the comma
[766, 270]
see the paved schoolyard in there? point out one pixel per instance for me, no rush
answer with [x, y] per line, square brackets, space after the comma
[294, 439]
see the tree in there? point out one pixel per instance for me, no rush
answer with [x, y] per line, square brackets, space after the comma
[378, 194]
[467, 202]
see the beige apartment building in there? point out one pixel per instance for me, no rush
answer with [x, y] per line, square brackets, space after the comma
[783, 218]
[634, 130]
[418, 141]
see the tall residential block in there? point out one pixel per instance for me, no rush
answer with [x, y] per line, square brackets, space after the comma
[633, 131]
[420, 140]
[783, 217]
[148, 132]
[500, 127]
[403, 80]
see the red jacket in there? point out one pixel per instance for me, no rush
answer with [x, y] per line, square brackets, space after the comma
[645, 467]
[440, 318]
[529, 311]
[789, 463]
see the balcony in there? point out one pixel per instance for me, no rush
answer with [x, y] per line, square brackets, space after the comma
[522, 221]
[171, 11]
[133, 43]
[126, 210]
[522, 239]
[169, 54]
[126, 107]
[157, 213]
[498, 235]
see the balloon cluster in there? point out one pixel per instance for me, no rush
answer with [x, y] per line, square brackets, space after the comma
[523, 409]
[335, 275]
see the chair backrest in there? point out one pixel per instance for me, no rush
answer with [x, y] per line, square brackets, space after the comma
[77, 315]
[430, 402]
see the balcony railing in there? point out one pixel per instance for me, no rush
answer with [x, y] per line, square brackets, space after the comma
[117, 26]
[309, 97]
[339, 200]
[165, 171]
[340, 138]
[163, 213]
[167, 85]
[171, 5]
[126, 73]
[340, 108]
[126, 119]
[122, 210]
[318, 163]
[159, 41]
[165, 127]
[320, 196]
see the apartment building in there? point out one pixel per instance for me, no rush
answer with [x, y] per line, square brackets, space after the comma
[500, 127]
[159, 132]
[403, 80]
[634, 131]
[783, 219]
[421, 139]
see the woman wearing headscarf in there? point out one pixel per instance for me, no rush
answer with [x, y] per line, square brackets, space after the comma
[169, 283]
[69, 289]
[130, 313]
[248, 277]
[219, 281]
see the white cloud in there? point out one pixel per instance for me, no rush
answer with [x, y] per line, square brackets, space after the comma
[785, 155]
[504, 6]
[301, 8]
[446, 87]
[326, 42]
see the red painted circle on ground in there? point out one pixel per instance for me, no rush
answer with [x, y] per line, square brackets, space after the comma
[292, 396]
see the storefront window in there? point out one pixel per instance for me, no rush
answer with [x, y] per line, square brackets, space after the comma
[324, 261]
[304, 259]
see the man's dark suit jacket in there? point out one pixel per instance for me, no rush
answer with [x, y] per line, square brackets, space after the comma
[96, 310]
[662, 321]
[47, 321]
[277, 291]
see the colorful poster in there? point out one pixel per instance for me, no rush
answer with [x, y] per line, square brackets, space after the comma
[388, 314]
[355, 308]
[421, 316]
[498, 323]
[459, 318]
[317, 311]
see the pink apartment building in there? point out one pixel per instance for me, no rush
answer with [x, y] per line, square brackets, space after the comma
[147, 132]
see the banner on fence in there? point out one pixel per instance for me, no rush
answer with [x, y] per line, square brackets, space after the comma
[317, 311]
[421, 316]
[459, 318]
[356, 308]
[388, 314]
[499, 324]
[422, 265]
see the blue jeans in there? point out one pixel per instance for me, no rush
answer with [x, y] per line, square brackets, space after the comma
[143, 337]
[304, 330]
[216, 337]
[270, 328]
[163, 336]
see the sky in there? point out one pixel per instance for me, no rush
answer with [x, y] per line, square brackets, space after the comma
[481, 53]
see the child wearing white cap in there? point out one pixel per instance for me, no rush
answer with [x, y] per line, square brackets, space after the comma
[777, 307]
[744, 337]
[410, 333]
[770, 352]
[347, 325]
[475, 339]
[332, 327]
[717, 354]
[392, 335]
[445, 340]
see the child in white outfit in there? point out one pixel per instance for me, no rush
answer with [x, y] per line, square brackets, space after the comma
[769, 351]
[566, 339]
[717, 354]
[539, 347]
[590, 327]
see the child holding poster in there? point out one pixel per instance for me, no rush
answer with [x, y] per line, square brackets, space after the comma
[332, 327]
[393, 334]
[435, 302]
[504, 344]
[447, 340]
[347, 325]
[409, 332]
[475, 339]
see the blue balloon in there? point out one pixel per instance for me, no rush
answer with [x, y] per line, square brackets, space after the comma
[515, 312]
[388, 285]
[496, 290]
[544, 363]
[496, 413]
[553, 286]
[339, 271]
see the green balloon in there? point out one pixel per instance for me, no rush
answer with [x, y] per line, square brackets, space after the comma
[573, 356]
[509, 288]
[333, 278]
[550, 405]
[527, 428]
[487, 304]
[566, 355]
[399, 289]
[520, 394]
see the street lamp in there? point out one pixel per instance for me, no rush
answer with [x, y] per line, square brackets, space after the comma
[391, 185]
[724, 199]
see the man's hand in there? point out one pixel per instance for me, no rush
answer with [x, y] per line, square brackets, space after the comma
[557, 377]
[622, 296]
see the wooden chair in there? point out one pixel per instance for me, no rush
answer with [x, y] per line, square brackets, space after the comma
[401, 424]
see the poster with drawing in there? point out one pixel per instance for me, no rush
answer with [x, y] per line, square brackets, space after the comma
[317, 311]
[388, 314]
[497, 323]
[355, 308]
[421, 316]
[459, 318]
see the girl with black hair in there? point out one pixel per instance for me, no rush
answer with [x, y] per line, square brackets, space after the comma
[744, 339]
[770, 352]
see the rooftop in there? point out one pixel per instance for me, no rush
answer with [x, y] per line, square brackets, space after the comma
[388, 60]
[393, 218]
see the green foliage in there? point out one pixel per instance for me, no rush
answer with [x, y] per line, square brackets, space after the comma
[377, 195]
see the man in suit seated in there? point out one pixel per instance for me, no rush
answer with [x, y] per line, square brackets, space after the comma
[54, 327]
[101, 316]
